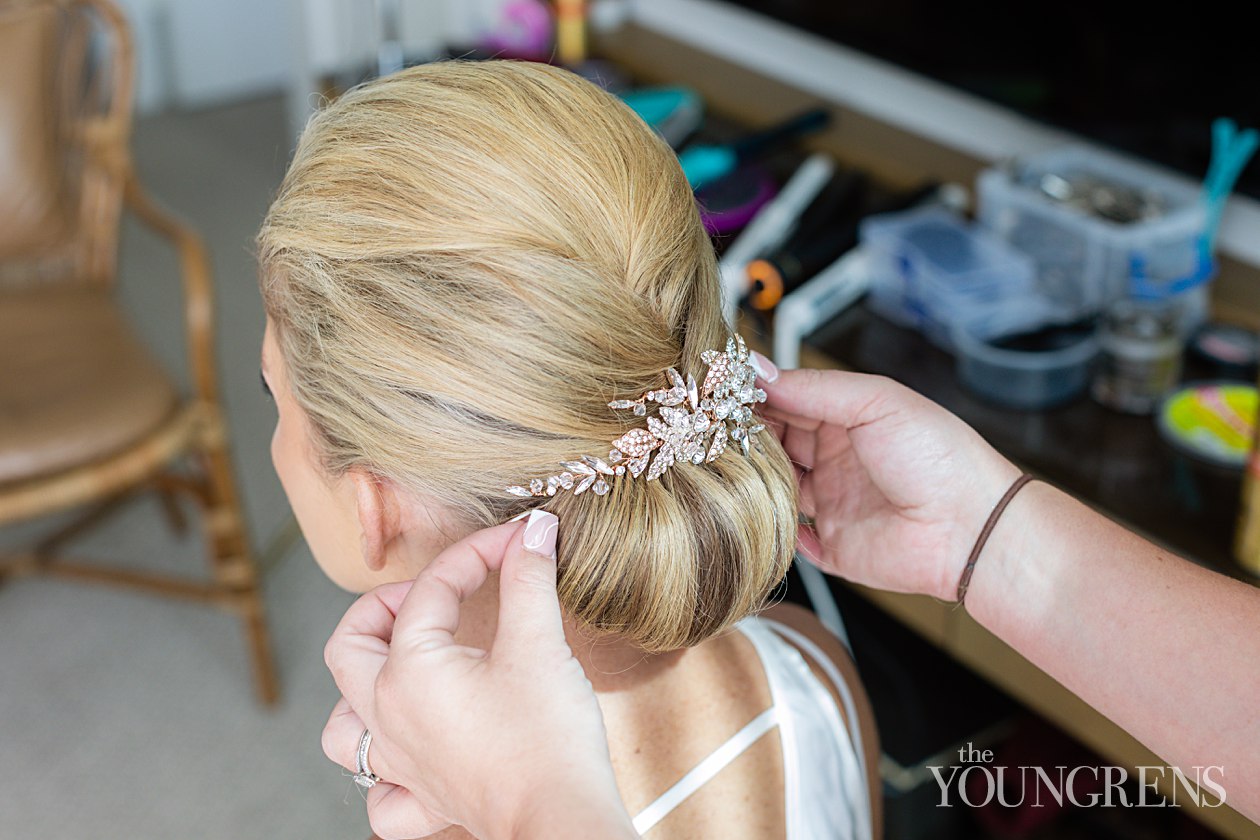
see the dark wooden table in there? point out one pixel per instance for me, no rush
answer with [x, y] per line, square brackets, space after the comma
[1117, 463]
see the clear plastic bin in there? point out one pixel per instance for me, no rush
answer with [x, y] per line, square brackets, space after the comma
[1023, 377]
[1085, 262]
[931, 269]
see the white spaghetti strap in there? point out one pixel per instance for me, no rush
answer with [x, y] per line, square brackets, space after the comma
[805, 644]
[765, 643]
[709, 767]
[833, 673]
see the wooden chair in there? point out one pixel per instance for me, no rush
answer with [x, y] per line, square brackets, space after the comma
[87, 418]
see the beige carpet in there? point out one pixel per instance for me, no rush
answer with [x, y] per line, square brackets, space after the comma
[127, 716]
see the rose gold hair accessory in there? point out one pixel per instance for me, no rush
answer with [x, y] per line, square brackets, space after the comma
[697, 431]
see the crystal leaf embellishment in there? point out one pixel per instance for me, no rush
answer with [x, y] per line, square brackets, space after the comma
[693, 424]
[638, 465]
[719, 442]
[717, 374]
[598, 464]
[637, 442]
[663, 460]
[674, 395]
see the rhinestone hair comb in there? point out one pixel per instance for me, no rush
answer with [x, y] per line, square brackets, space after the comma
[694, 424]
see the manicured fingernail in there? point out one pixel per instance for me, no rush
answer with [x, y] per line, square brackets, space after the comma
[540, 533]
[765, 368]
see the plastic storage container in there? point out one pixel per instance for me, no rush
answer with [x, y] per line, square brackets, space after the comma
[1085, 261]
[1021, 369]
[930, 270]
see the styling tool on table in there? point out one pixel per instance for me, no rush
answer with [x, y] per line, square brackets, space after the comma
[770, 227]
[706, 163]
[818, 240]
[813, 304]
[674, 112]
[728, 204]
[818, 301]
[830, 228]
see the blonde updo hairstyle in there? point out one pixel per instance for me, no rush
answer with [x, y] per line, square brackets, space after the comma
[464, 264]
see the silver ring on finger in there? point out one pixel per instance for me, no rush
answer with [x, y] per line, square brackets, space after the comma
[364, 778]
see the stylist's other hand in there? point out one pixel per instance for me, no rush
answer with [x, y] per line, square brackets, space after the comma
[898, 487]
[497, 741]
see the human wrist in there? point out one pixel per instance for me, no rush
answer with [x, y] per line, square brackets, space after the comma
[576, 819]
[582, 807]
[990, 476]
[1018, 574]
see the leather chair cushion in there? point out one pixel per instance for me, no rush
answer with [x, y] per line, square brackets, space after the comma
[76, 385]
[33, 200]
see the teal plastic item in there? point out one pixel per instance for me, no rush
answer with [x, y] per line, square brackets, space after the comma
[1231, 150]
[655, 105]
[705, 164]
[673, 112]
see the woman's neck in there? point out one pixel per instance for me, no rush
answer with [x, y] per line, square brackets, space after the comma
[611, 662]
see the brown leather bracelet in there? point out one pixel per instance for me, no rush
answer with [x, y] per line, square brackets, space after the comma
[965, 579]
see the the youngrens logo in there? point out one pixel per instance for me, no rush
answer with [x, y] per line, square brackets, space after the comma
[976, 782]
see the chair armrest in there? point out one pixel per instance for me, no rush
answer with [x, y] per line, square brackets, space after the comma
[198, 284]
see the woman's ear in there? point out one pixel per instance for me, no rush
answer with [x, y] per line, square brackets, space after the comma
[379, 518]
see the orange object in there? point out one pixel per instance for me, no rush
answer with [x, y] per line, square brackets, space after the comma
[767, 284]
[571, 31]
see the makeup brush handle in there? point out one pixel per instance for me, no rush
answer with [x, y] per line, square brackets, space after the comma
[763, 141]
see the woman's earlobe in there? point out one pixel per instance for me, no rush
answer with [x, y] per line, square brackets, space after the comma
[378, 517]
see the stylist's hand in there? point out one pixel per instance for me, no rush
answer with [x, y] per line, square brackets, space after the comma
[507, 742]
[898, 487]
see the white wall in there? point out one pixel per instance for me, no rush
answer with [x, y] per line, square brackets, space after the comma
[196, 53]
[229, 49]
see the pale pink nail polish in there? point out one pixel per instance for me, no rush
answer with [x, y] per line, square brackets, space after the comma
[540, 533]
[765, 368]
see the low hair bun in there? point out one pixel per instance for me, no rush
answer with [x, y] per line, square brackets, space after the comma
[466, 261]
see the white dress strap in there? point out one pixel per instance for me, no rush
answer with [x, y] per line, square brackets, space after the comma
[833, 673]
[854, 755]
[709, 767]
